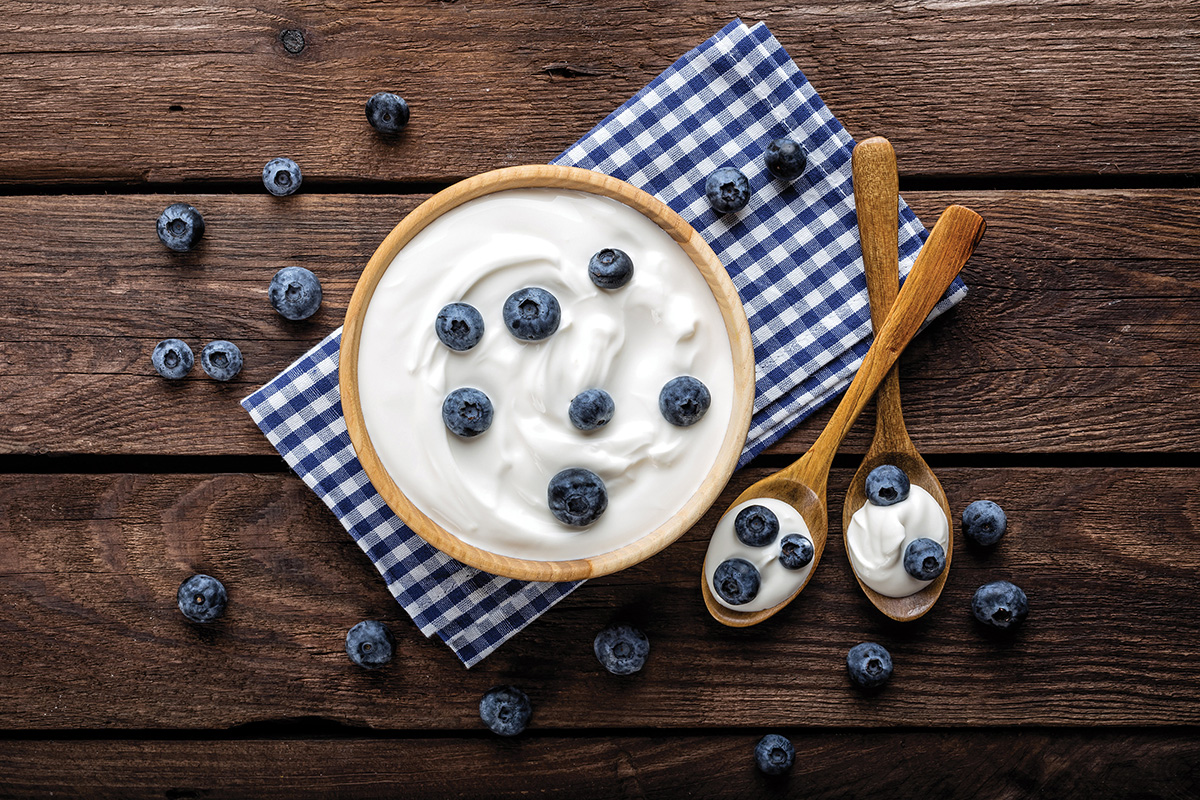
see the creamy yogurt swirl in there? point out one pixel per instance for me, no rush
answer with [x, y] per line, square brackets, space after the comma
[778, 583]
[877, 536]
[490, 491]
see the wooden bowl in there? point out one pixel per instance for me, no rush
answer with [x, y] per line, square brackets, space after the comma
[737, 328]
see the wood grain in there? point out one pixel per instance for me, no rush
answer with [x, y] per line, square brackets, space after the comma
[89, 566]
[143, 90]
[1080, 332]
[973, 763]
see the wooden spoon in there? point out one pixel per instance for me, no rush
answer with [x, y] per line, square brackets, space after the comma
[876, 199]
[802, 485]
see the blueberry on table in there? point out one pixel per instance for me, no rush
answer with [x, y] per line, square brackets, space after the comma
[774, 754]
[869, 665]
[281, 176]
[796, 551]
[756, 526]
[180, 227]
[610, 268]
[387, 112]
[467, 412]
[785, 159]
[459, 326]
[532, 314]
[887, 485]
[577, 497]
[621, 649]
[1000, 604]
[172, 358]
[370, 644]
[727, 190]
[736, 581]
[591, 409]
[222, 360]
[505, 710]
[683, 401]
[984, 522]
[202, 598]
[295, 292]
[924, 559]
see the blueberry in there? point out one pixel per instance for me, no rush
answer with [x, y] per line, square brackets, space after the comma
[887, 485]
[180, 227]
[796, 551]
[202, 598]
[984, 522]
[785, 159]
[869, 665]
[281, 176]
[467, 412]
[684, 400]
[756, 526]
[387, 112]
[924, 559]
[1000, 604]
[295, 293]
[505, 710]
[172, 358]
[577, 497]
[370, 644]
[221, 360]
[774, 754]
[532, 314]
[622, 649]
[727, 190]
[591, 409]
[610, 268]
[736, 581]
[459, 326]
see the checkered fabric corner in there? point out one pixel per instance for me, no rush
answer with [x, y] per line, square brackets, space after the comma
[793, 255]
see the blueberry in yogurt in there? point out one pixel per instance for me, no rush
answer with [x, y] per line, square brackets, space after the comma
[295, 292]
[924, 559]
[459, 326]
[577, 497]
[505, 710]
[727, 190]
[1000, 605]
[222, 360]
[683, 401]
[467, 412]
[180, 227]
[172, 358]
[774, 754]
[610, 268]
[736, 581]
[796, 551]
[532, 314]
[281, 176]
[887, 485]
[756, 526]
[591, 409]
[622, 649]
[785, 159]
[984, 522]
[202, 598]
[869, 665]
[370, 644]
[387, 112]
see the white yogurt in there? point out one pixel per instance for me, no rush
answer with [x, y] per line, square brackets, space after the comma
[490, 491]
[878, 535]
[778, 583]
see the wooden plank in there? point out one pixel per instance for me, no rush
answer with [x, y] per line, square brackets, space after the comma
[971, 763]
[89, 566]
[1081, 332]
[149, 91]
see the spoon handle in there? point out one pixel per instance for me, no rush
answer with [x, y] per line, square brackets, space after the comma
[877, 202]
[949, 246]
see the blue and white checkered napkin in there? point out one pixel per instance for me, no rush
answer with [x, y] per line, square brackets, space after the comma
[793, 254]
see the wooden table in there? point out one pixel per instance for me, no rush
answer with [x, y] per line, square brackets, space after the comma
[1066, 387]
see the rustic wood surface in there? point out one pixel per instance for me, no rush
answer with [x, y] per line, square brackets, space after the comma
[1066, 387]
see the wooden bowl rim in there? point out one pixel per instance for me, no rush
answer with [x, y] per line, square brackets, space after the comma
[706, 261]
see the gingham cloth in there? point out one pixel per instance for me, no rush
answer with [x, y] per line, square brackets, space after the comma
[793, 254]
